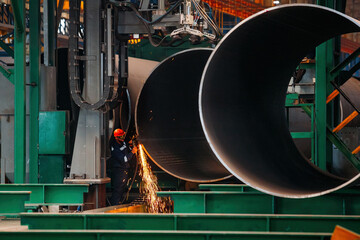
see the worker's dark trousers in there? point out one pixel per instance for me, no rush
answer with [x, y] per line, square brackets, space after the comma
[119, 178]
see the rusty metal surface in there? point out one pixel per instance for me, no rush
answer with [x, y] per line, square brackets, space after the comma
[168, 122]
[242, 98]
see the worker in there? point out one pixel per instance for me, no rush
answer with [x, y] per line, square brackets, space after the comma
[121, 154]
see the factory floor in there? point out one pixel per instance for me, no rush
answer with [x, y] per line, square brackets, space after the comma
[11, 225]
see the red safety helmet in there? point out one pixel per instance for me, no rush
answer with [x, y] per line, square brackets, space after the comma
[119, 132]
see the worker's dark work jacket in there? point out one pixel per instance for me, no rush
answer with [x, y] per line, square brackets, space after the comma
[120, 154]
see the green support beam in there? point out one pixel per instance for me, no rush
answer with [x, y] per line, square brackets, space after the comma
[302, 134]
[51, 194]
[336, 71]
[227, 187]
[326, 114]
[323, 146]
[337, 203]
[189, 222]
[20, 93]
[34, 90]
[343, 148]
[12, 203]
[7, 49]
[19, 13]
[7, 73]
[338, 143]
[50, 31]
[158, 235]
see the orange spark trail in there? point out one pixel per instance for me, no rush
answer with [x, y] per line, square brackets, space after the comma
[149, 185]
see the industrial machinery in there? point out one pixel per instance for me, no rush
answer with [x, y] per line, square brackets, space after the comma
[108, 27]
[91, 87]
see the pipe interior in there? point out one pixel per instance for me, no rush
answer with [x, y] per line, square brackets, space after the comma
[242, 98]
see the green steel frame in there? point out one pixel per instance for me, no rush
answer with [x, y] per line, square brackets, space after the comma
[227, 187]
[12, 203]
[337, 142]
[51, 34]
[167, 235]
[8, 73]
[17, 77]
[187, 222]
[311, 134]
[34, 90]
[323, 145]
[344, 202]
[326, 114]
[50, 194]
[7, 49]
[20, 93]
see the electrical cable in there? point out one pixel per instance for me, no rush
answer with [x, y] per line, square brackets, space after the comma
[133, 179]
[207, 18]
[209, 21]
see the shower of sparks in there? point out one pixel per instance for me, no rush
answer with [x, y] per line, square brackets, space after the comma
[149, 185]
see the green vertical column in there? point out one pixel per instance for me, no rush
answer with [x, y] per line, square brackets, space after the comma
[34, 90]
[320, 106]
[323, 112]
[50, 32]
[20, 94]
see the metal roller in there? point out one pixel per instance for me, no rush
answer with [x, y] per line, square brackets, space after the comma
[242, 98]
[168, 123]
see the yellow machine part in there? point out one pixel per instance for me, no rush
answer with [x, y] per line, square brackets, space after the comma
[129, 209]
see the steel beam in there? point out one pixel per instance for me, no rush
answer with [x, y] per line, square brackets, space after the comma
[34, 90]
[323, 59]
[50, 32]
[50, 194]
[20, 93]
[243, 116]
[336, 203]
[18, 11]
[7, 73]
[12, 203]
[336, 71]
[159, 235]
[338, 143]
[7, 49]
[190, 222]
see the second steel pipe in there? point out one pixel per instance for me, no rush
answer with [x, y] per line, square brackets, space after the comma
[168, 123]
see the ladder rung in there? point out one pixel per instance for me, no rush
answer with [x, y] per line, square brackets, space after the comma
[332, 96]
[346, 121]
[356, 150]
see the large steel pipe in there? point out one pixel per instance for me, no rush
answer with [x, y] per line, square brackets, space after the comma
[242, 98]
[168, 123]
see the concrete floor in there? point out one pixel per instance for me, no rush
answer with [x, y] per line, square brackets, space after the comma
[11, 225]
